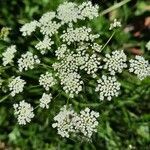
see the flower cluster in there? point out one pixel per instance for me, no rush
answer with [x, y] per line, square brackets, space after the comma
[8, 55]
[24, 112]
[108, 87]
[74, 52]
[27, 61]
[28, 28]
[16, 85]
[115, 62]
[72, 83]
[68, 122]
[47, 80]
[44, 45]
[140, 67]
[69, 12]
[115, 24]
[45, 100]
[78, 35]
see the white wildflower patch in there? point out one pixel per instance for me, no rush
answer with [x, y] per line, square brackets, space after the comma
[24, 112]
[68, 122]
[27, 61]
[47, 80]
[108, 87]
[28, 28]
[92, 65]
[62, 51]
[44, 45]
[86, 122]
[140, 67]
[115, 62]
[46, 18]
[8, 55]
[87, 10]
[63, 121]
[78, 35]
[115, 24]
[45, 100]
[16, 85]
[68, 12]
[72, 83]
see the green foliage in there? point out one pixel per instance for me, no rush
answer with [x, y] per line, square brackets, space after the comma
[124, 122]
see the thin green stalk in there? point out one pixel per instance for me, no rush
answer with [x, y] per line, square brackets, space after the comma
[108, 40]
[114, 7]
[4, 98]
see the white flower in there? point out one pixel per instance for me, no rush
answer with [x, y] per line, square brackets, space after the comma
[8, 55]
[115, 24]
[148, 45]
[62, 51]
[68, 12]
[47, 80]
[45, 100]
[108, 87]
[24, 112]
[140, 67]
[16, 85]
[88, 10]
[68, 122]
[64, 122]
[96, 47]
[47, 17]
[86, 122]
[44, 45]
[67, 64]
[72, 83]
[27, 61]
[78, 35]
[115, 62]
[28, 28]
[49, 28]
[92, 65]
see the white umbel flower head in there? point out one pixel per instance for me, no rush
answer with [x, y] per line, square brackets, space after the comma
[24, 112]
[16, 86]
[78, 35]
[47, 80]
[148, 45]
[87, 10]
[45, 100]
[108, 87]
[115, 62]
[44, 45]
[47, 17]
[115, 24]
[71, 83]
[68, 12]
[140, 67]
[8, 55]
[86, 122]
[92, 65]
[28, 28]
[62, 51]
[27, 61]
[64, 123]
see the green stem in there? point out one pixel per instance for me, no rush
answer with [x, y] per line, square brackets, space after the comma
[114, 7]
[4, 98]
[108, 40]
